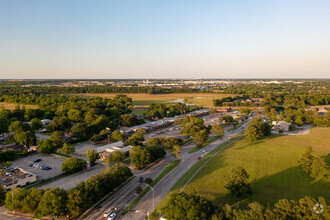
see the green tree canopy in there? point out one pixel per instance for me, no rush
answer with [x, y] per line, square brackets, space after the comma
[237, 182]
[184, 206]
[73, 165]
[92, 155]
[306, 160]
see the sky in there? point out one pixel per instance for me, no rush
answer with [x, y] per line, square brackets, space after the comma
[116, 39]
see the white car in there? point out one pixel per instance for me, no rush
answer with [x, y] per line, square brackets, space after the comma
[107, 213]
[112, 216]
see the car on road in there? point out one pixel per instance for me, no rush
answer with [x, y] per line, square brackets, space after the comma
[198, 158]
[141, 179]
[112, 216]
[107, 213]
[37, 160]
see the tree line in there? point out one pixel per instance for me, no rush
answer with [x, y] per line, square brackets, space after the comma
[184, 206]
[56, 202]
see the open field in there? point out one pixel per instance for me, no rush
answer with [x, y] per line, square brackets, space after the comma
[272, 164]
[12, 106]
[142, 99]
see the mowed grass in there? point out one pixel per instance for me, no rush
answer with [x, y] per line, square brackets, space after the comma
[139, 110]
[12, 106]
[272, 164]
[141, 99]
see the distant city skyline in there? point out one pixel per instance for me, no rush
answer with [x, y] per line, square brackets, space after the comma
[153, 39]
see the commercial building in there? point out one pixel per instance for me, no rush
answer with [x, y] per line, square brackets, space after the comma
[16, 177]
[281, 125]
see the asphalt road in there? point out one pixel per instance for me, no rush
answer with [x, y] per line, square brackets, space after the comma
[163, 187]
[122, 198]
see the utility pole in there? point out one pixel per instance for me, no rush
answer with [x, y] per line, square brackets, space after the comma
[153, 197]
[12, 196]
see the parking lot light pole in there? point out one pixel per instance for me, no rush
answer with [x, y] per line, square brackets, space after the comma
[153, 197]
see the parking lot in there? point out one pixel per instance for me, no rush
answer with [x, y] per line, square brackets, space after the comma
[46, 160]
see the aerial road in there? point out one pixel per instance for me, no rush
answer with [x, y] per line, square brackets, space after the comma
[120, 199]
[162, 188]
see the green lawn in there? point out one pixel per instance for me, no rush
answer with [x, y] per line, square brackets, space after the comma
[272, 164]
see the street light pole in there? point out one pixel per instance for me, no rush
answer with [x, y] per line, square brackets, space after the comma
[153, 197]
[12, 196]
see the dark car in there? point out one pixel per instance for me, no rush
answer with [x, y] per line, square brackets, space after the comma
[31, 165]
[37, 160]
[141, 179]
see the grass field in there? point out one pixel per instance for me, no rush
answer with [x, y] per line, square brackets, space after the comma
[272, 164]
[12, 106]
[141, 99]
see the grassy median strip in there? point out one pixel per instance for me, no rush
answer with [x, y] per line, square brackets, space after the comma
[237, 126]
[209, 141]
[167, 169]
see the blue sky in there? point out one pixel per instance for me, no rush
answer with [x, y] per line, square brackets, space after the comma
[164, 39]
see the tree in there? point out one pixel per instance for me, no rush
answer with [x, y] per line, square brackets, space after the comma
[257, 129]
[138, 190]
[73, 165]
[32, 199]
[226, 119]
[92, 155]
[2, 194]
[79, 129]
[25, 138]
[191, 125]
[148, 180]
[129, 120]
[139, 157]
[52, 202]
[156, 153]
[115, 157]
[66, 149]
[36, 124]
[47, 146]
[177, 151]
[299, 121]
[201, 136]
[14, 199]
[75, 115]
[306, 160]
[117, 136]
[237, 182]
[245, 111]
[136, 139]
[184, 206]
[57, 138]
[217, 129]
[319, 169]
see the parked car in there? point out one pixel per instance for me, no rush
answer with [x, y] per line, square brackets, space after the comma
[31, 165]
[198, 158]
[37, 160]
[107, 213]
[112, 216]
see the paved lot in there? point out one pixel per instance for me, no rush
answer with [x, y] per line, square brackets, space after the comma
[47, 160]
[72, 181]
[305, 129]
[41, 137]
[81, 148]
